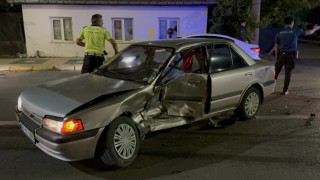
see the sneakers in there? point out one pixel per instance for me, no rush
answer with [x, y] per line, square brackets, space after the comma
[286, 93]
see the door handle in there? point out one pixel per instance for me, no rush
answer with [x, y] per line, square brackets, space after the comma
[248, 74]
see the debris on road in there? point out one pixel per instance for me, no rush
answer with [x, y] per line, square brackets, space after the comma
[309, 120]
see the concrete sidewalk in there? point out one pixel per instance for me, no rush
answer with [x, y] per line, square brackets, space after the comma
[36, 64]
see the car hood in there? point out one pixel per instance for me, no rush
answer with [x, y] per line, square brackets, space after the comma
[59, 97]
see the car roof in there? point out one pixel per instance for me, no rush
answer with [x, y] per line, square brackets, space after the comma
[218, 36]
[179, 43]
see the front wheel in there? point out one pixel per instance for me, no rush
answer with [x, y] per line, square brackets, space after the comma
[120, 143]
[249, 105]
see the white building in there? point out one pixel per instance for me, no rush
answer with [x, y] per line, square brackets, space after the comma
[51, 27]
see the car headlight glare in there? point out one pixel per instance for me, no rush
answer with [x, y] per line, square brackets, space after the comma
[63, 127]
[52, 124]
[19, 106]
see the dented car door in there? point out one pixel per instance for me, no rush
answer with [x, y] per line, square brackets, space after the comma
[186, 95]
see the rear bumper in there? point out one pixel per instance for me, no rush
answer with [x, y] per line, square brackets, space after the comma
[68, 147]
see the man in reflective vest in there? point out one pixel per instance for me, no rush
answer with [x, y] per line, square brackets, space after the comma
[94, 37]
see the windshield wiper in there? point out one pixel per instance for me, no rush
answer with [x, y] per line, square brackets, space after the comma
[116, 75]
[106, 73]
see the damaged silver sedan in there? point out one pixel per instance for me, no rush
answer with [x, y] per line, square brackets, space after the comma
[149, 86]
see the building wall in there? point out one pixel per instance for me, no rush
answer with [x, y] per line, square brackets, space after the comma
[38, 29]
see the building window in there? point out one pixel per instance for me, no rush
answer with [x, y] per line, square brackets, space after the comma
[167, 25]
[122, 29]
[61, 29]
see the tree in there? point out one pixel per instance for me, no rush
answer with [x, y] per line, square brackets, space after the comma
[4, 6]
[274, 11]
[226, 16]
[313, 16]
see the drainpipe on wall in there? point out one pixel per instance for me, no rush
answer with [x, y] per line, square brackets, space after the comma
[37, 54]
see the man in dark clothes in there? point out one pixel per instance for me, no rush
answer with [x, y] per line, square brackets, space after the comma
[241, 34]
[285, 49]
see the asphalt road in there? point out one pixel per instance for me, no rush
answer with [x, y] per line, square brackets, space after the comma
[280, 143]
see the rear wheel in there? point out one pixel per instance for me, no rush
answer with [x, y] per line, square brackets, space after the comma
[249, 105]
[119, 145]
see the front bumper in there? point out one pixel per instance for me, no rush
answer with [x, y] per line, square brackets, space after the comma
[67, 147]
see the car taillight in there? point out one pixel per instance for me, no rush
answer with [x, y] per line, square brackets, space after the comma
[257, 50]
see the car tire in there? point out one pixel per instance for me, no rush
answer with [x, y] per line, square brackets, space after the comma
[249, 105]
[120, 143]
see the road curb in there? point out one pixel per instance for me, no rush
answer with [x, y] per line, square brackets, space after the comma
[46, 64]
[41, 68]
[4, 68]
[69, 67]
[9, 123]
[309, 42]
[17, 68]
[30, 68]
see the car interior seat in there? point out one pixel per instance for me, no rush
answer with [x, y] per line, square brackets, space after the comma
[192, 61]
[187, 61]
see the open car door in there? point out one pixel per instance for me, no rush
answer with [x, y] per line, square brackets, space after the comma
[186, 95]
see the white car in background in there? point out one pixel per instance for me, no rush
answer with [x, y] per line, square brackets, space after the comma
[253, 50]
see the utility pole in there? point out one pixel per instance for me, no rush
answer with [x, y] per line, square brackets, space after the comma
[256, 6]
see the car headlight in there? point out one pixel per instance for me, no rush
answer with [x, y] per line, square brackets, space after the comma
[58, 125]
[19, 106]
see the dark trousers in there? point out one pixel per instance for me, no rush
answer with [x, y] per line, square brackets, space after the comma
[90, 63]
[286, 59]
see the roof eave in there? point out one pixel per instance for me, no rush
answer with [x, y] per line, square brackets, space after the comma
[117, 3]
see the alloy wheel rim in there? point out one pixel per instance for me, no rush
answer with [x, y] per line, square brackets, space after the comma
[124, 141]
[252, 104]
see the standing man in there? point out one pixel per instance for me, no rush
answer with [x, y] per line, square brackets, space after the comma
[94, 36]
[285, 49]
[241, 34]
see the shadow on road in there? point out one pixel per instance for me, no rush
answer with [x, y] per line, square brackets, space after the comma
[178, 150]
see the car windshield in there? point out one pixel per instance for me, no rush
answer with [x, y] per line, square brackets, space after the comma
[139, 63]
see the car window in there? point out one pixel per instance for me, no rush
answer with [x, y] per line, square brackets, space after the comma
[174, 68]
[220, 59]
[177, 61]
[186, 61]
[238, 61]
[140, 57]
[224, 58]
[137, 63]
